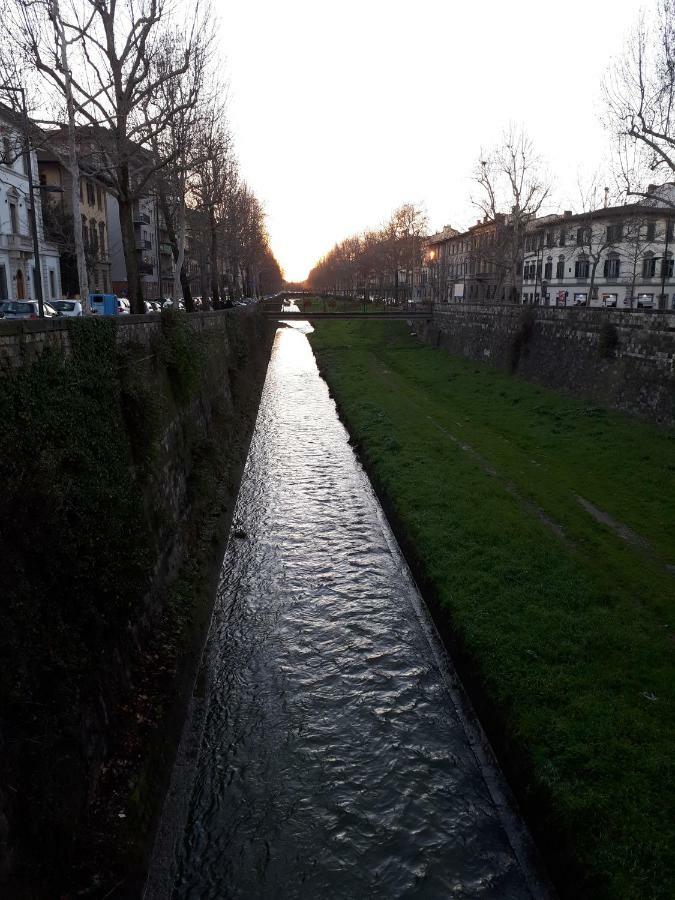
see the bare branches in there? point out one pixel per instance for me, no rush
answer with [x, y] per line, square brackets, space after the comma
[513, 187]
[640, 93]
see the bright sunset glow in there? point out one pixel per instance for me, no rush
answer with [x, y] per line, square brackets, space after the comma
[342, 113]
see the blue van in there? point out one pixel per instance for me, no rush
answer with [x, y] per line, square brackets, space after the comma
[103, 304]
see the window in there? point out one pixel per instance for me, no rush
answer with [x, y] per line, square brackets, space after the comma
[563, 237]
[583, 235]
[3, 283]
[560, 268]
[101, 238]
[85, 232]
[649, 267]
[99, 197]
[13, 221]
[669, 231]
[651, 231]
[612, 267]
[91, 199]
[548, 269]
[539, 269]
[667, 266]
[581, 267]
[550, 239]
[52, 284]
[614, 233]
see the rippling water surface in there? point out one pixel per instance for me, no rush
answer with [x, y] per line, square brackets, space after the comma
[333, 763]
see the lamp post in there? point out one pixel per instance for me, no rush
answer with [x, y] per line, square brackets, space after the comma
[31, 194]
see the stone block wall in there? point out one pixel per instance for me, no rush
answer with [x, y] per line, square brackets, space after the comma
[184, 491]
[621, 360]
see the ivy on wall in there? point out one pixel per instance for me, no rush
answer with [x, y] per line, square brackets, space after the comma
[78, 435]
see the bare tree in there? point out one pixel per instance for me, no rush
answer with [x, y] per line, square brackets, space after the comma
[512, 183]
[594, 238]
[186, 93]
[640, 96]
[639, 238]
[214, 185]
[113, 75]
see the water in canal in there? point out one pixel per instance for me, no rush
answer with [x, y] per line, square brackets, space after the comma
[334, 761]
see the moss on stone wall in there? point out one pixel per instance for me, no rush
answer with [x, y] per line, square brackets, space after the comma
[101, 453]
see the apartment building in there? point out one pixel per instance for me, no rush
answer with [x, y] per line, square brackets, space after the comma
[620, 257]
[155, 260]
[17, 259]
[55, 177]
[470, 265]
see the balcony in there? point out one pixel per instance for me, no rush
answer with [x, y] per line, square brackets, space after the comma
[142, 244]
[141, 218]
[18, 242]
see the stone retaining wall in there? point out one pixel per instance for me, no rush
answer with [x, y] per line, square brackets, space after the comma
[623, 360]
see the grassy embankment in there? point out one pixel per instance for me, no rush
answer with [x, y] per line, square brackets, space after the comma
[562, 628]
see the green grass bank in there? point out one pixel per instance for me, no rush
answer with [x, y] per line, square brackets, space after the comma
[542, 532]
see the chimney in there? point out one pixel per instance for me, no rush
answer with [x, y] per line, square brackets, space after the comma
[651, 188]
[606, 197]
[567, 213]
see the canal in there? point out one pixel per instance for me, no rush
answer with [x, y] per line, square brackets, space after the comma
[336, 758]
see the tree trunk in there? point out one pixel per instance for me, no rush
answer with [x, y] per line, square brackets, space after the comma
[215, 291]
[180, 272]
[180, 259]
[73, 167]
[131, 255]
[592, 284]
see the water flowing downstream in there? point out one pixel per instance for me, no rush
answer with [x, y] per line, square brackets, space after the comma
[334, 762]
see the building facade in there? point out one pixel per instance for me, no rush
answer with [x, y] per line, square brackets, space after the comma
[619, 257]
[58, 222]
[17, 260]
[471, 265]
[155, 260]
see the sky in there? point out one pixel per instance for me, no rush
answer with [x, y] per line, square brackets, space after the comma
[343, 111]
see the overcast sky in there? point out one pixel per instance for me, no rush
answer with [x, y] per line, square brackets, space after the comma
[344, 110]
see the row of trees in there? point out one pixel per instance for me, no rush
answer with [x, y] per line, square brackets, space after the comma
[129, 92]
[512, 186]
[375, 259]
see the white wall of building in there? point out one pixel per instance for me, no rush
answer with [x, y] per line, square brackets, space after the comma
[624, 284]
[17, 261]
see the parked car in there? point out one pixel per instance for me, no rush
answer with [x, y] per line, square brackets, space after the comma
[3, 303]
[152, 306]
[26, 309]
[67, 307]
[123, 306]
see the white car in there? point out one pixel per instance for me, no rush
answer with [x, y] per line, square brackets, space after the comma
[67, 307]
[26, 309]
[123, 306]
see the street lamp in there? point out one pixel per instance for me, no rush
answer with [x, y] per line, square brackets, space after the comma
[31, 194]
